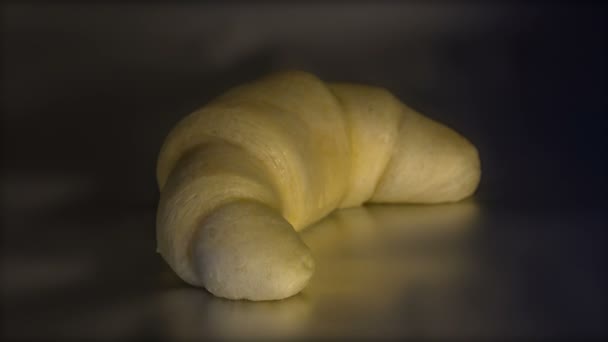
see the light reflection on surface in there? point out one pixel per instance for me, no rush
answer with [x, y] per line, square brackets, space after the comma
[445, 271]
[371, 262]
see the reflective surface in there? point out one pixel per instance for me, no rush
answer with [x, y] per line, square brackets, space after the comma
[455, 270]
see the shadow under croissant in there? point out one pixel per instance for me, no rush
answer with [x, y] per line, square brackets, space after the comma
[369, 260]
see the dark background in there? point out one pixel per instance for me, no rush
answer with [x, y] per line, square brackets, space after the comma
[89, 93]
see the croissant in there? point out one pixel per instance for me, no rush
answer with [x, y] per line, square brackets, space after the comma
[241, 176]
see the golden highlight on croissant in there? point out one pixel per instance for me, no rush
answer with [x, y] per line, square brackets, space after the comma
[241, 176]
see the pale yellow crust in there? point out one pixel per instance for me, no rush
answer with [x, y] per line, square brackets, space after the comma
[242, 175]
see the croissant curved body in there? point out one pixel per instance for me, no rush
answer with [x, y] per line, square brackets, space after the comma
[243, 174]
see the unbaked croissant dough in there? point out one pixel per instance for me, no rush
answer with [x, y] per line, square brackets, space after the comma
[242, 175]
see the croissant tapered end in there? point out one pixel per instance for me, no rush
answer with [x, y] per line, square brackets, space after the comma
[246, 250]
[431, 163]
